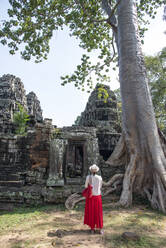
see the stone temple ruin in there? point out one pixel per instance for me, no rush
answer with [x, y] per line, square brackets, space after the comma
[50, 163]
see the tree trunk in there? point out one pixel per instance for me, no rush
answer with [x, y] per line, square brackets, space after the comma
[146, 166]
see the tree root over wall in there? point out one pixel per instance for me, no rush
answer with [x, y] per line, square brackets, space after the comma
[139, 178]
[108, 188]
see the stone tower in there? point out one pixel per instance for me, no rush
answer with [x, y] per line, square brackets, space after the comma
[11, 92]
[98, 113]
[103, 116]
[34, 108]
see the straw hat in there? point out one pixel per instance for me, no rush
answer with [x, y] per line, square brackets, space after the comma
[94, 168]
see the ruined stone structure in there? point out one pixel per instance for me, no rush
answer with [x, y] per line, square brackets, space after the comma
[33, 106]
[103, 116]
[11, 92]
[72, 151]
[100, 114]
[23, 163]
[49, 163]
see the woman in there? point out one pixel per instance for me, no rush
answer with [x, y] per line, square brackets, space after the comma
[93, 215]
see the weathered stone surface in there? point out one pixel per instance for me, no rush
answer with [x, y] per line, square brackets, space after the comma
[39, 145]
[12, 93]
[6, 207]
[98, 113]
[23, 161]
[103, 116]
[80, 151]
[49, 164]
[53, 195]
[29, 195]
[34, 108]
[58, 233]
[56, 157]
[130, 236]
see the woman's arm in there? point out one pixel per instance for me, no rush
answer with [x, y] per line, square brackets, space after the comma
[101, 182]
[87, 181]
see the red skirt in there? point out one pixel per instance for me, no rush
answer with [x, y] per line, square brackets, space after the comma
[93, 215]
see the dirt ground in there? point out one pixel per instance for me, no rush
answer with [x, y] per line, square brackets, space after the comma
[63, 228]
[58, 230]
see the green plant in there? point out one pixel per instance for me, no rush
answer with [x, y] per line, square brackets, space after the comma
[20, 119]
[56, 132]
[102, 93]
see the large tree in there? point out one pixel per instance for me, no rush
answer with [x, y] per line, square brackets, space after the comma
[146, 163]
[156, 73]
[32, 22]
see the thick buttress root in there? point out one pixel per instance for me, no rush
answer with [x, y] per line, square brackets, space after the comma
[150, 182]
[157, 197]
[129, 177]
[119, 155]
[138, 177]
[72, 200]
[108, 188]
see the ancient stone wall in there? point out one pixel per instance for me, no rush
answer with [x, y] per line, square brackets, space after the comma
[32, 173]
[24, 163]
[48, 164]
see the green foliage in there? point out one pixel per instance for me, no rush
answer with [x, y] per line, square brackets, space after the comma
[102, 93]
[156, 71]
[21, 118]
[25, 214]
[31, 25]
[56, 132]
[77, 120]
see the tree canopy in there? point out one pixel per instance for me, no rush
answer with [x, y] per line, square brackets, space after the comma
[31, 25]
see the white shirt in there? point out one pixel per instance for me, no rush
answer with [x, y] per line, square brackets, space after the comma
[96, 184]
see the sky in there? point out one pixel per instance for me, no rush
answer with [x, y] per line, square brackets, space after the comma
[63, 104]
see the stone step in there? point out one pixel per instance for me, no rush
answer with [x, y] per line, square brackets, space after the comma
[6, 170]
[9, 171]
[9, 177]
[4, 200]
[12, 183]
[11, 166]
[6, 207]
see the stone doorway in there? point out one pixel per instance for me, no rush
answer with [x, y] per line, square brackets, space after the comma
[75, 159]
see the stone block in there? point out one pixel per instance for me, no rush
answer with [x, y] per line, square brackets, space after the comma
[130, 236]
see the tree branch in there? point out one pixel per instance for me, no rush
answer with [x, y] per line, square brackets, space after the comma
[111, 20]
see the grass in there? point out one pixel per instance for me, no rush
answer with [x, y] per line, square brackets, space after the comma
[22, 215]
[145, 242]
[150, 225]
[33, 224]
